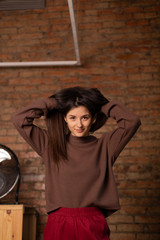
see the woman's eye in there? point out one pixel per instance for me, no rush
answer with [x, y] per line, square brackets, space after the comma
[85, 117]
[72, 118]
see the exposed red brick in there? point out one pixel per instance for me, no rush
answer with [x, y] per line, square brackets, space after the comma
[119, 48]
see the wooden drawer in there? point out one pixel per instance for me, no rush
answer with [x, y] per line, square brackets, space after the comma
[17, 222]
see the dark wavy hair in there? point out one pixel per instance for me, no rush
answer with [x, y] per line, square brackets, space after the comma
[68, 98]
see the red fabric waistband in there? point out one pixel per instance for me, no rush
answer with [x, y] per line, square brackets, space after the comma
[77, 211]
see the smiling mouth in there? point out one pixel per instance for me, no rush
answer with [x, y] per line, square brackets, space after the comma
[79, 130]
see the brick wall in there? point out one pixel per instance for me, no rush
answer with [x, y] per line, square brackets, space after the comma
[119, 47]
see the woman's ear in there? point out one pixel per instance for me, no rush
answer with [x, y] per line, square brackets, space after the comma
[94, 119]
[65, 119]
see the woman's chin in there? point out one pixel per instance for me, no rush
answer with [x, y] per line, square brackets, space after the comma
[79, 134]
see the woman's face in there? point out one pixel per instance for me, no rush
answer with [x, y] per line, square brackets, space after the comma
[79, 121]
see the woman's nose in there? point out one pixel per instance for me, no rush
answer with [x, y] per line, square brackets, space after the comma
[79, 123]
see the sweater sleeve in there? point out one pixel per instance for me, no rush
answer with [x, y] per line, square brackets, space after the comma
[127, 122]
[23, 121]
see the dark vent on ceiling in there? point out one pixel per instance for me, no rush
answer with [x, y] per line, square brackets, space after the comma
[21, 4]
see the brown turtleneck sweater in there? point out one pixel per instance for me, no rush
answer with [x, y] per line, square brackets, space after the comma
[86, 179]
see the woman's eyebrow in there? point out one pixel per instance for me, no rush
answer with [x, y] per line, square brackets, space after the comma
[85, 115]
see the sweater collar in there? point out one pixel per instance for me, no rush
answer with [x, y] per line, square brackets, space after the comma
[74, 139]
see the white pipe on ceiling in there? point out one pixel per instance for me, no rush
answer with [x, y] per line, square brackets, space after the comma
[39, 64]
[53, 63]
[74, 30]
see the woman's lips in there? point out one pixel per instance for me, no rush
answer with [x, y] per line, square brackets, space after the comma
[79, 130]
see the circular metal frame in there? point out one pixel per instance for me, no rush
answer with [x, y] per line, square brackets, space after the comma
[6, 171]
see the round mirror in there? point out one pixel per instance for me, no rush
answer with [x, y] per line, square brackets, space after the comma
[9, 171]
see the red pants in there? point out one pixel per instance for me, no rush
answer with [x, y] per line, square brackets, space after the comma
[76, 224]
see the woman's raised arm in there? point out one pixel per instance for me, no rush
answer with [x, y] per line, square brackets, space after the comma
[23, 121]
[127, 122]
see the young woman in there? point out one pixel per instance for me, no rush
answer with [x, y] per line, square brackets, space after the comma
[80, 186]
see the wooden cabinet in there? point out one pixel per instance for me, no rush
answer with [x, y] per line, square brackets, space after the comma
[17, 222]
